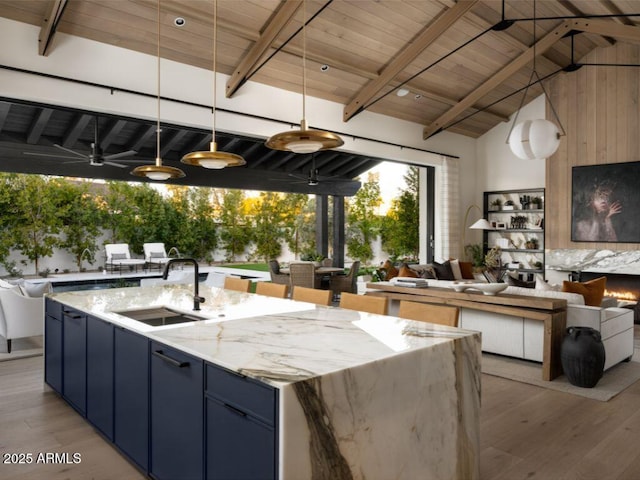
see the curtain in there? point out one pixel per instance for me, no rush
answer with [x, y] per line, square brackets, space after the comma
[449, 221]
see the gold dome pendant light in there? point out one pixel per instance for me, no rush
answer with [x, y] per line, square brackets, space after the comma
[158, 171]
[214, 159]
[304, 140]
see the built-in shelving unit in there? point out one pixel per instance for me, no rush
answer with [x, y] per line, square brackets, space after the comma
[517, 219]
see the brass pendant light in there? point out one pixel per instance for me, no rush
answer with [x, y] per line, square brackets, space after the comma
[304, 140]
[213, 159]
[158, 172]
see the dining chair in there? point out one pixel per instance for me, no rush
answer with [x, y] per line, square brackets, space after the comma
[303, 274]
[311, 295]
[345, 283]
[428, 312]
[364, 303]
[269, 289]
[276, 275]
[237, 284]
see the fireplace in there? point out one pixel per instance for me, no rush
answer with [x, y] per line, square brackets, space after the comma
[619, 285]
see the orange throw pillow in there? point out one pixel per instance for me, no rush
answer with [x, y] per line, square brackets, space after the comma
[466, 268]
[592, 291]
[405, 271]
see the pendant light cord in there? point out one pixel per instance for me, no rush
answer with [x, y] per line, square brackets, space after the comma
[158, 161]
[304, 59]
[215, 43]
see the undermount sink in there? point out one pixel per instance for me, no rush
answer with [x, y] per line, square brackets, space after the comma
[159, 316]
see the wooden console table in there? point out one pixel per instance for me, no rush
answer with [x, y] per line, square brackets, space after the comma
[551, 311]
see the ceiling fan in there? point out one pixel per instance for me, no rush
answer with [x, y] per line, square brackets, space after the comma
[96, 158]
[313, 178]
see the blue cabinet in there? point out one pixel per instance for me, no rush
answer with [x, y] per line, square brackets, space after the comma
[131, 395]
[177, 432]
[53, 345]
[74, 358]
[241, 427]
[100, 375]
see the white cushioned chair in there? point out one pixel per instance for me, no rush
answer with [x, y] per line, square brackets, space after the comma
[20, 316]
[118, 256]
[155, 255]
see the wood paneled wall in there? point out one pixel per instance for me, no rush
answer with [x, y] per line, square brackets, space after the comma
[598, 108]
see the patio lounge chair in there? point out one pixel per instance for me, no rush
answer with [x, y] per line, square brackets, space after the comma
[155, 255]
[118, 256]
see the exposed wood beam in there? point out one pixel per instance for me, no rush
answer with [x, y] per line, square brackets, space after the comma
[49, 25]
[429, 35]
[276, 24]
[143, 134]
[609, 29]
[4, 112]
[542, 45]
[38, 125]
[111, 133]
[173, 139]
[76, 129]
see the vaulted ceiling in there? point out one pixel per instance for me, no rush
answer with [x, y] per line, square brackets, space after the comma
[463, 64]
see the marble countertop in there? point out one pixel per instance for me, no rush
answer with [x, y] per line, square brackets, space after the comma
[276, 341]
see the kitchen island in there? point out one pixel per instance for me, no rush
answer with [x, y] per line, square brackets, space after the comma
[267, 388]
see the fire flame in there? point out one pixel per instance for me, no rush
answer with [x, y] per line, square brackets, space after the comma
[621, 295]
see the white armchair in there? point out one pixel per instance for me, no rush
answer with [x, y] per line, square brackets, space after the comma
[20, 316]
[155, 255]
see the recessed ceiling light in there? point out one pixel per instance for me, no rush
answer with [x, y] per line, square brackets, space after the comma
[402, 92]
[418, 96]
[179, 22]
[324, 68]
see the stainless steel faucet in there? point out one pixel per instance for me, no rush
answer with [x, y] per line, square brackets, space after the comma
[197, 299]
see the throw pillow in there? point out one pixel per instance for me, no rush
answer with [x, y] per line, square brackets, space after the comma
[542, 285]
[592, 291]
[405, 271]
[466, 268]
[35, 290]
[516, 282]
[443, 271]
[428, 272]
[157, 255]
[390, 270]
[455, 268]
[118, 256]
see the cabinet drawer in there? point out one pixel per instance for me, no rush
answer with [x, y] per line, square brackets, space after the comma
[53, 308]
[245, 394]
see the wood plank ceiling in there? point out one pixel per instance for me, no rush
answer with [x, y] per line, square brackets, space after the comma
[463, 63]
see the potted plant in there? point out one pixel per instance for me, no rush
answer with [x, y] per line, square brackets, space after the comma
[536, 202]
[476, 252]
[532, 244]
[496, 204]
[509, 205]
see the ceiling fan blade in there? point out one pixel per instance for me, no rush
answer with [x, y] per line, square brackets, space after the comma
[77, 154]
[114, 164]
[114, 156]
[34, 154]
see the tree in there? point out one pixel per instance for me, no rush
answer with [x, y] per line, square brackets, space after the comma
[34, 220]
[400, 232]
[268, 227]
[80, 218]
[202, 238]
[298, 219]
[235, 228]
[362, 220]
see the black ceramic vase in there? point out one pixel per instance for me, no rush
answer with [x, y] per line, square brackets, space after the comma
[582, 356]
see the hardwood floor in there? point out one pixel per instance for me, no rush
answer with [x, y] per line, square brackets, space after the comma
[34, 419]
[527, 432]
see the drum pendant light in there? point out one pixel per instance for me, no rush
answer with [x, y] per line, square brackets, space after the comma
[213, 159]
[158, 171]
[304, 140]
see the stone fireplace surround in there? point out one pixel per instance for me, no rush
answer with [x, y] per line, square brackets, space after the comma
[622, 269]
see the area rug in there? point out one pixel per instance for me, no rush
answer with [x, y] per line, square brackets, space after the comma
[21, 348]
[614, 380]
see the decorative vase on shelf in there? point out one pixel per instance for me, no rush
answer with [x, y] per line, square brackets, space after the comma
[582, 356]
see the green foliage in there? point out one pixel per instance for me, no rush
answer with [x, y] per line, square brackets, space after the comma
[268, 230]
[400, 227]
[363, 223]
[80, 220]
[235, 228]
[476, 253]
[31, 216]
